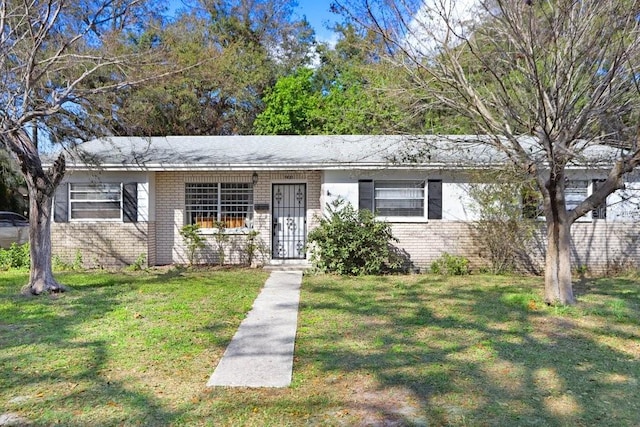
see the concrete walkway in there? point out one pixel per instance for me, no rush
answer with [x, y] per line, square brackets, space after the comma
[261, 352]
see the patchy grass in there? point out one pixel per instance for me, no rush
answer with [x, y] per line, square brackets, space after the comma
[476, 350]
[119, 348]
[137, 349]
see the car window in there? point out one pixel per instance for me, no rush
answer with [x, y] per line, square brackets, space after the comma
[10, 217]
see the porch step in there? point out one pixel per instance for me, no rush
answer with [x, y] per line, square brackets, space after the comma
[287, 265]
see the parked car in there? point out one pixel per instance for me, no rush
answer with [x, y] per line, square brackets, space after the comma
[14, 228]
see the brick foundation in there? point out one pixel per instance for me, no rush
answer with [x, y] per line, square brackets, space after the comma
[601, 246]
[103, 244]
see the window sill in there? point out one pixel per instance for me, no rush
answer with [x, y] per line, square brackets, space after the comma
[404, 219]
[117, 220]
[212, 231]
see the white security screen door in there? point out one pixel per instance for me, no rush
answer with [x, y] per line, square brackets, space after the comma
[289, 221]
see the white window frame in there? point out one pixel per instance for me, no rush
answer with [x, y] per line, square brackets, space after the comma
[567, 193]
[237, 220]
[419, 185]
[96, 186]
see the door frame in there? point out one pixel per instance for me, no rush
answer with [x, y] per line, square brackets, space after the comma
[274, 218]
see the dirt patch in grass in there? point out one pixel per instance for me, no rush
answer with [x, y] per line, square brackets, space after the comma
[365, 402]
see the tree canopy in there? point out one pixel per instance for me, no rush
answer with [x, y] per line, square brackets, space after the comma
[349, 92]
[244, 47]
[10, 182]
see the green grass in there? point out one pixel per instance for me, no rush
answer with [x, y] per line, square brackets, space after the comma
[137, 349]
[475, 350]
[119, 348]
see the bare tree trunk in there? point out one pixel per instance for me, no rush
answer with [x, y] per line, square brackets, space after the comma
[41, 278]
[558, 287]
[42, 186]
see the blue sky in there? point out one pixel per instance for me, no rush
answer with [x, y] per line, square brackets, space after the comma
[318, 15]
[316, 11]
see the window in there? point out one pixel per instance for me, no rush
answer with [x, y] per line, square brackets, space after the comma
[601, 211]
[575, 192]
[201, 204]
[231, 203]
[401, 198]
[95, 201]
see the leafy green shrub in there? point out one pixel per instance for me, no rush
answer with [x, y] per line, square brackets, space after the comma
[221, 237]
[352, 242]
[452, 265]
[78, 261]
[254, 247]
[139, 264]
[192, 239]
[61, 265]
[17, 257]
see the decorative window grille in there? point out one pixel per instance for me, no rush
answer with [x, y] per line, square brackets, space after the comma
[201, 204]
[95, 201]
[236, 205]
[230, 203]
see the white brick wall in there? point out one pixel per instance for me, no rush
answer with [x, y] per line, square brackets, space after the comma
[170, 199]
[102, 244]
[424, 242]
[600, 245]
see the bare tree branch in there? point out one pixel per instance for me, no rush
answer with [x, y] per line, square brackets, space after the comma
[558, 75]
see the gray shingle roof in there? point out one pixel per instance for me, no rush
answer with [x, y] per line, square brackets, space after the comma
[283, 152]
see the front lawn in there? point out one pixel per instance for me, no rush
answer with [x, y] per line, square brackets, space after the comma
[474, 350]
[137, 349]
[132, 349]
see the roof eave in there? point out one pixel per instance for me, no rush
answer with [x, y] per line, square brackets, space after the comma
[158, 167]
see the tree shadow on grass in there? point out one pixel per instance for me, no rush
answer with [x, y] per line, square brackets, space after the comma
[52, 374]
[478, 353]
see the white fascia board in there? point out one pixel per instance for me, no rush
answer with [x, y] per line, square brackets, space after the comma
[276, 167]
[300, 166]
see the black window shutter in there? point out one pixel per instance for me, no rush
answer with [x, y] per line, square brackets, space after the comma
[434, 199]
[365, 194]
[601, 211]
[61, 203]
[130, 202]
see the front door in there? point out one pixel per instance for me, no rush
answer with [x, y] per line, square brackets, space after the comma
[289, 221]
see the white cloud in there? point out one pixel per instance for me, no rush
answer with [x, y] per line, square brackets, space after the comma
[439, 24]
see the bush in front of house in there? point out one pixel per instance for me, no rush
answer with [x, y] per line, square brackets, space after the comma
[505, 227]
[352, 242]
[193, 240]
[453, 265]
[16, 257]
